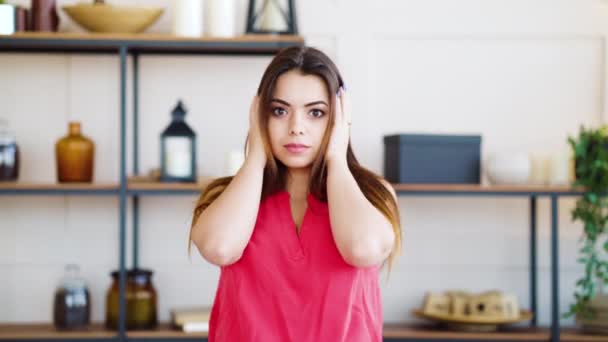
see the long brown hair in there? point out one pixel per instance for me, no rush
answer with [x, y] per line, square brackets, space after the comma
[308, 61]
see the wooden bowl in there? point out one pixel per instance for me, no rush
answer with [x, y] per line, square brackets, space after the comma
[477, 325]
[109, 18]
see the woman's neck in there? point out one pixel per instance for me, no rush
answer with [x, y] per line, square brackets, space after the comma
[297, 183]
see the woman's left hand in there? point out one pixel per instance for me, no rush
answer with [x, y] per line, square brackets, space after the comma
[340, 135]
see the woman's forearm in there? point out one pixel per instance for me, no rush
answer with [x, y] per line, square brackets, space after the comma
[224, 228]
[362, 234]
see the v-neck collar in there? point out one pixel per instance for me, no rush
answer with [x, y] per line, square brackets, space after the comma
[315, 205]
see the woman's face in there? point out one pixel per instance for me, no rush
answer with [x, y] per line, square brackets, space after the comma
[298, 119]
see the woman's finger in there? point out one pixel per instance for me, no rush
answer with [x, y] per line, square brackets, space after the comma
[338, 109]
[346, 108]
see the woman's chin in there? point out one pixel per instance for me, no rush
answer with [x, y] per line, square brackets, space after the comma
[295, 162]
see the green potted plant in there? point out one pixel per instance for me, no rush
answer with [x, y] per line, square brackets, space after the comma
[590, 150]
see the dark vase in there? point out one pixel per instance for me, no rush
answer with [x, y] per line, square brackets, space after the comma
[44, 16]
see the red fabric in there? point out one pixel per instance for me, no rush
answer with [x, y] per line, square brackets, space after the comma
[295, 287]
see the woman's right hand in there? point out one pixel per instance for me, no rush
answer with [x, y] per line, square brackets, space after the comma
[255, 145]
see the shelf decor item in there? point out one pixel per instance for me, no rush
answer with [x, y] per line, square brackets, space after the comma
[220, 18]
[44, 16]
[141, 301]
[464, 311]
[432, 158]
[187, 18]
[271, 17]
[7, 18]
[178, 149]
[72, 304]
[9, 154]
[101, 17]
[75, 154]
[508, 168]
[590, 149]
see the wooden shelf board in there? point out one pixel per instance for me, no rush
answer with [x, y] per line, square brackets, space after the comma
[48, 331]
[426, 331]
[141, 37]
[56, 186]
[144, 184]
[391, 330]
[145, 43]
[482, 188]
[164, 330]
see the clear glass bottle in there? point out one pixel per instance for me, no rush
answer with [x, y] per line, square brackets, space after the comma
[72, 306]
[9, 153]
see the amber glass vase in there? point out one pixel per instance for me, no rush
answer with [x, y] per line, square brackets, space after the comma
[74, 156]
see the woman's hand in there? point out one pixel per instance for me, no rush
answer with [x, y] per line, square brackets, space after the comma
[254, 150]
[340, 135]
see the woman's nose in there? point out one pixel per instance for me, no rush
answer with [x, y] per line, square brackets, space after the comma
[296, 125]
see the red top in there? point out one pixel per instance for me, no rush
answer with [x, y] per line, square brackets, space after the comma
[295, 287]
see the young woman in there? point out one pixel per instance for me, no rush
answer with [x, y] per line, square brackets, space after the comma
[301, 231]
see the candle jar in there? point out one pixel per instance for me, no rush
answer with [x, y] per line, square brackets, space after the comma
[140, 297]
[72, 304]
[9, 154]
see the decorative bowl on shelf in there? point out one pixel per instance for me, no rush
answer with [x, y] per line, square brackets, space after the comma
[508, 168]
[101, 17]
[481, 324]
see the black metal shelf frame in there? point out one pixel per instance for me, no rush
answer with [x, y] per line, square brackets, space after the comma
[137, 48]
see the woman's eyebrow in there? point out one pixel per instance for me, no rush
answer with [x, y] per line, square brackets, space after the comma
[306, 105]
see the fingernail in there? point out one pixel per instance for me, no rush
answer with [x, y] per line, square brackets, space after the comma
[344, 87]
[339, 93]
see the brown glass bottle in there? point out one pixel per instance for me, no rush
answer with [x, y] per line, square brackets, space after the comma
[74, 156]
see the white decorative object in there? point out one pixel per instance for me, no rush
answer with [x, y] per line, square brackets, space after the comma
[272, 18]
[188, 18]
[540, 168]
[560, 169]
[7, 19]
[220, 18]
[508, 168]
[234, 161]
[178, 156]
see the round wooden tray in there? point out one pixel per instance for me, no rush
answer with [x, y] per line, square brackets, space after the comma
[477, 325]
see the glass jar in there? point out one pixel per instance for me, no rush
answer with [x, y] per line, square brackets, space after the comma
[72, 304]
[9, 154]
[141, 301]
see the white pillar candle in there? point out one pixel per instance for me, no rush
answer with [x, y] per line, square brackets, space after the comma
[272, 18]
[539, 173]
[178, 156]
[560, 169]
[220, 18]
[188, 18]
[7, 19]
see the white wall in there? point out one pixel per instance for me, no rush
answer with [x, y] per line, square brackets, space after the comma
[524, 74]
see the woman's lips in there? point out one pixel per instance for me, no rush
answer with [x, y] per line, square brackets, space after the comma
[296, 148]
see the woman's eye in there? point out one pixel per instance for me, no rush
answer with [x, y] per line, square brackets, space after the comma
[279, 111]
[317, 113]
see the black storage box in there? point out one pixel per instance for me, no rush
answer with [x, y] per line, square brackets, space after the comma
[432, 158]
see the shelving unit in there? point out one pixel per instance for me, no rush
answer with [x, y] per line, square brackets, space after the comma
[136, 45]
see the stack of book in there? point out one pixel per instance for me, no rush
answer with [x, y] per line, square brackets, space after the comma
[191, 319]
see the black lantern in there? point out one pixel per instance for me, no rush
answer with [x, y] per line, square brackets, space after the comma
[178, 149]
[271, 16]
